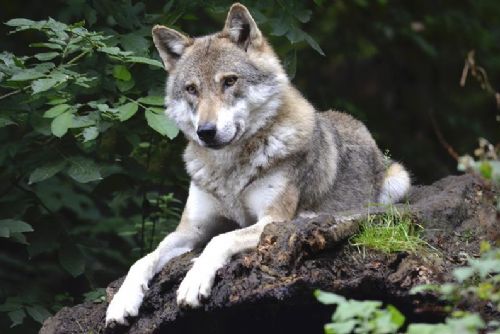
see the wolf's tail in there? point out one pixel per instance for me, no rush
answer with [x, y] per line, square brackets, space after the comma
[395, 185]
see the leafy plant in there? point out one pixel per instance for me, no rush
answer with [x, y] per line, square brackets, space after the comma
[480, 280]
[362, 317]
[476, 283]
[75, 123]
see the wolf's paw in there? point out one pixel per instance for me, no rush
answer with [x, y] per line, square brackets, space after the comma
[125, 304]
[197, 284]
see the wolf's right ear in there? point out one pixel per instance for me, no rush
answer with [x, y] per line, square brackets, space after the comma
[241, 28]
[170, 44]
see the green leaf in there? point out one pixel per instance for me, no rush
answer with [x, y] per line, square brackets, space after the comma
[153, 100]
[96, 296]
[111, 50]
[429, 329]
[53, 46]
[423, 288]
[121, 72]
[46, 56]
[135, 43]
[124, 86]
[144, 60]
[71, 259]
[127, 110]
[10, 226]
[56, 101]
[313, 43]
[19, 237]
[90, 133]
[397, 317]
[469, 322]
[303, 15]
[355, 308]
[295, 35]
[56, 110]
[38, 313]
[345, 327]
[16, 317]
[83, 170]
[46, 171]
[161, 123]
[42, 85]
[280, 26]
[486, 170]
[463, 273]
[328, 297]
[4, 121]
[25, 75]
[83, 121]
[61, 124]
[19, 22]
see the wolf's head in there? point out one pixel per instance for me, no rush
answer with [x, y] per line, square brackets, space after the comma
[224, 87]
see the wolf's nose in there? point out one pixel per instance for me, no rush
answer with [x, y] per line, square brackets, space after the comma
[206, 132]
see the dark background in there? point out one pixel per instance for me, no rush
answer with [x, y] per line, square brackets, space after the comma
[395, 65]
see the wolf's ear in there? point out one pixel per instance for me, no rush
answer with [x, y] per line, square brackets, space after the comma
[170, 44]
[241, 28]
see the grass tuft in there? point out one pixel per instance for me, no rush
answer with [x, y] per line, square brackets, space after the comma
[389, 233]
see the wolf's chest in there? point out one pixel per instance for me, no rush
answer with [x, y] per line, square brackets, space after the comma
[243, 192]
[226, 184]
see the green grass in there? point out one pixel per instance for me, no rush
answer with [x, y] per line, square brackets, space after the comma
[389, 233]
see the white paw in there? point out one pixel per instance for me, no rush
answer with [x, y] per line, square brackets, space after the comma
[198, 282]
[127, 301]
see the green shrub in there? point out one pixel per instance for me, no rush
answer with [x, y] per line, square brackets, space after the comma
[477, 283]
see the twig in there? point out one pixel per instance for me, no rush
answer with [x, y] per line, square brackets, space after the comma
[144, 199]
[479, 73]
[10, 94]
[451, 151]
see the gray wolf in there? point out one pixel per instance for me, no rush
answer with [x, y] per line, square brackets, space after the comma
[258, 153]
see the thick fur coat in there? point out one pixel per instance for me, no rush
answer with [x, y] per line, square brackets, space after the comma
[258, 152]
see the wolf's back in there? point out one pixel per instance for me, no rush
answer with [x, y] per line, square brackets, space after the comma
[363, 175]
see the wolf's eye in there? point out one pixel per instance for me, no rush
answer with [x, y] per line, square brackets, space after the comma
[230, 81]
[191, 89]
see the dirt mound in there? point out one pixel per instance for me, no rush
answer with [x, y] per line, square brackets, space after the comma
[269, 290]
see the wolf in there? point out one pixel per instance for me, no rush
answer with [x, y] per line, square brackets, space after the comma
[258, 152]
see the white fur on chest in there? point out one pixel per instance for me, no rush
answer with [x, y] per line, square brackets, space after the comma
[263, 193]
[238, 197]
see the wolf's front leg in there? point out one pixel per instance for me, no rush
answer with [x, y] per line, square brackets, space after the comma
[199, 280]
[195, 229]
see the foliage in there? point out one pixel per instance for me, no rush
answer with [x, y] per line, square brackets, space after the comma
[389, 232]
[487, 164]
[363, 317]
[90, 163]
[71, 124]
[478, 281]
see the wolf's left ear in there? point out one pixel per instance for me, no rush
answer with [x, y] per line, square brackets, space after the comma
[170, 44]
[241, 27]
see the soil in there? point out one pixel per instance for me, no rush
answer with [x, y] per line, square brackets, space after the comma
[270, 289]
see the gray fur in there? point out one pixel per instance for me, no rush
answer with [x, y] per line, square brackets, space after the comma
[274, 156]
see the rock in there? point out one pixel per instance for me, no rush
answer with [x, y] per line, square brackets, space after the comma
[269, 289]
